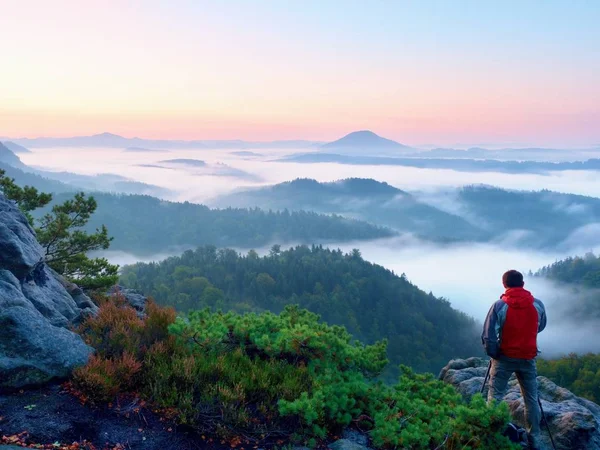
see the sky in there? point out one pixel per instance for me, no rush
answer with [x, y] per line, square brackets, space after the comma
[420, 72]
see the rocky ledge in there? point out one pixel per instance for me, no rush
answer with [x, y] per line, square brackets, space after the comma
[574, 421]
[53, 417]
[37, 307]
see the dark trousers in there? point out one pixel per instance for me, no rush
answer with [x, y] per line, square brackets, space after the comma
[526, 373]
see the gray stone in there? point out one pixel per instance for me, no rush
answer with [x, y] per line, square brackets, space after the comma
[33, 351]
[36, 311]
[346, 444]
[135, 298]
[356, 436]
[84, 303]
[574, 421]
[19, 250]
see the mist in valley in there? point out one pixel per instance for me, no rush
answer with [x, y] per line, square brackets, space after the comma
[201, 185]
[468, 275]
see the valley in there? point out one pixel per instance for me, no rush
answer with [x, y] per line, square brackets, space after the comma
[299, 225]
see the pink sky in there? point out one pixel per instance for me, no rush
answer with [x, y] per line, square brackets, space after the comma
[196, 70]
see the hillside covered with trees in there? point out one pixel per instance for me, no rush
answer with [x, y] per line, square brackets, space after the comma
[548, 217]
[584, 271]
[144, 225]
[578, 373]
[580, 276]
[362, 198]
[370, 301]
[471, 213]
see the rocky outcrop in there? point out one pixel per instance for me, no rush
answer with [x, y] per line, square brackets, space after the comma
[574, 421]
[134, 298]
[36, 310]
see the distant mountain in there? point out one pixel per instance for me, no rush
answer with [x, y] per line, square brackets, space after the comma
[8, 157]
[141, 150]
[461, 165]
[223, 170]
[508, 154]
[365, 143]
[541, 219]
[43, 184]
[67, 181]
[246, 154]
[155, 166]
[363, 199]
[111, 140]
[107, 182]
[215, 170]
[185, 162]
[145, 225]
[16, 148]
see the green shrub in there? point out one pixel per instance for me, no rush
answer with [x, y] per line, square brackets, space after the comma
[420, 411]
[286, 376]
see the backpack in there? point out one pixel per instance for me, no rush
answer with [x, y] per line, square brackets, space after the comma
[516, 434]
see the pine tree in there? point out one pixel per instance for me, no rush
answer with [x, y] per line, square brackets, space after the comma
[61, 235]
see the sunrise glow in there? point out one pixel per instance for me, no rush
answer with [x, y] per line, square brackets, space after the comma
[417, 72]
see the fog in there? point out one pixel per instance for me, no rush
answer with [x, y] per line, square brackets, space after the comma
[467, 275]
[198, 185]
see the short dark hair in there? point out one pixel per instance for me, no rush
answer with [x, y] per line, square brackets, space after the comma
[512, 279]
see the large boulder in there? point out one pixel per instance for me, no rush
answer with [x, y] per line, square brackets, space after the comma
[574, 421]
[36, 311]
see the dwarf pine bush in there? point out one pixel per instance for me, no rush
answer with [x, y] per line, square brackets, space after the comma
[286, 376]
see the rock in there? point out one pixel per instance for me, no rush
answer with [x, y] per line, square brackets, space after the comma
[36, 311]
[135, 298]
[346, 444]
[86, 305]
[356, 436]
[574, 421]
[19, 250]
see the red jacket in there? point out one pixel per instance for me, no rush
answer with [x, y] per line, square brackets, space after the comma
[512, 325]
[519, 333]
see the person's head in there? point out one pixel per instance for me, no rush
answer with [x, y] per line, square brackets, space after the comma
[512, 279]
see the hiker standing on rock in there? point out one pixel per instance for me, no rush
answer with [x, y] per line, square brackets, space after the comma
[510, 339]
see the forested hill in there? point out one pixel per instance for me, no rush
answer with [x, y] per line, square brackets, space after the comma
[366, 199]
[23, 178]
[145, 225]
[584, 271]
[369, 300]
[471, 213]
[548, 218]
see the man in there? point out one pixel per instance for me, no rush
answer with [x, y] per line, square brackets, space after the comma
[510, 339]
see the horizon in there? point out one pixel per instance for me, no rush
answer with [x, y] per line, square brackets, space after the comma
[422, 146]
[426, 74]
